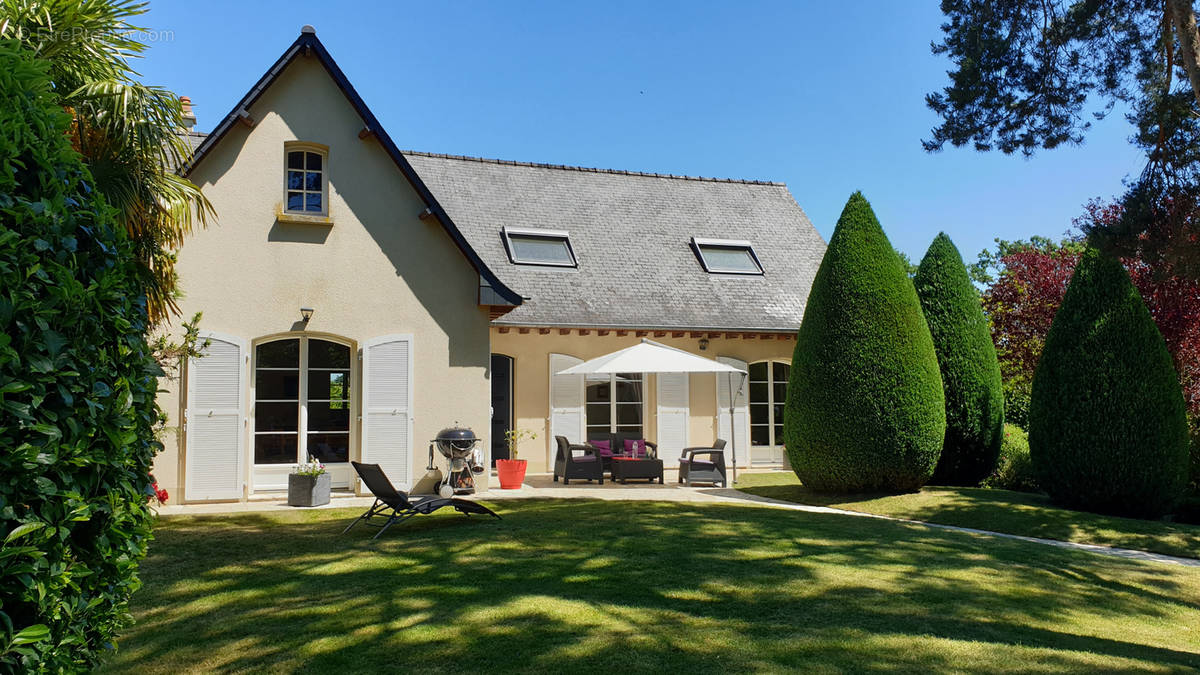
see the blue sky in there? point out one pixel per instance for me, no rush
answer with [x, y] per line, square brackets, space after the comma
[827, 97]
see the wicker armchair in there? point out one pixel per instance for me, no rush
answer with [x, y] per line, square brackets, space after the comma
[709, 469]
[577, 461]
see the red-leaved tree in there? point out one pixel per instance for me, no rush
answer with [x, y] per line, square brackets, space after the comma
[1024, 283]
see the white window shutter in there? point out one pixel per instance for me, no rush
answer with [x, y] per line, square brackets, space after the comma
[728, 383]
[566, 400]
[672, 414]
[215, 414]
[387, 427]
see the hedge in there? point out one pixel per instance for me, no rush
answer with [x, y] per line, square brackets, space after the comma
[1015, 469]
[865, 409]
[1108, 428]
[77, 386]
[970, 370]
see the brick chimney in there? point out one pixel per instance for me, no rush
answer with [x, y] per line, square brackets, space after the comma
[189, 118]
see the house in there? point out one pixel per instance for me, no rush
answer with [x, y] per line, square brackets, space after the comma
[359, 298]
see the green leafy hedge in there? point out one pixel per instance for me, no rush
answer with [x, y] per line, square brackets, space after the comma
[1015, 469]
[77, 386]
[970, 370]
[1108, 428]
[865, 408]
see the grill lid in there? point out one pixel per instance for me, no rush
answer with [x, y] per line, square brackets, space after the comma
[456, 434]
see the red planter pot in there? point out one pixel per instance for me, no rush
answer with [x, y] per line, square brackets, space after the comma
[511, 472]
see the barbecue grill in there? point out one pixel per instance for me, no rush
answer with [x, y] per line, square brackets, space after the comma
[460, 448]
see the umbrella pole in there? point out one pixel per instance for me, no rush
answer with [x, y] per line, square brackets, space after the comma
[732, 425]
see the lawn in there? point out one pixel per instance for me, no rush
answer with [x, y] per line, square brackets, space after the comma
[994, 510]
[595, 586]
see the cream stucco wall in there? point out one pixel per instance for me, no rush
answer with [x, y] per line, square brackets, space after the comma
[531, 380]
[376, 270]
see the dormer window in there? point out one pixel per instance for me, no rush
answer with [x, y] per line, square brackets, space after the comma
[726, 256]
[538, 247]
[305, 185]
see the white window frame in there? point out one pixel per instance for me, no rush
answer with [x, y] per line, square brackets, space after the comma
[273, 476]
[507, 232]
[775, 443]
[699, 243]
[612, 402]
[316, 148]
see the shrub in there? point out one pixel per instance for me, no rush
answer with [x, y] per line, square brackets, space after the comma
[1108, 429]
[970, 370]
[865, 409]
[1014, 470]
[77, 386]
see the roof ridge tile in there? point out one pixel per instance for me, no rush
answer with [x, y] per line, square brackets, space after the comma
[566, 167]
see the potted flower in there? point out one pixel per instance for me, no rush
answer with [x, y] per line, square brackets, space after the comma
[512, 470]
[308, 485]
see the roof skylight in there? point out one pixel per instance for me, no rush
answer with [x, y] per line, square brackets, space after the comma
[726, 256]
[538, 247]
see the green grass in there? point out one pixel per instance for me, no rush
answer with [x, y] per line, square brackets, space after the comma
[591, 586]
[994, 510]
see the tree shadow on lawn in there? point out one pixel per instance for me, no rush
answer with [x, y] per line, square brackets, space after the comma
[1001, 511]
[644, 586]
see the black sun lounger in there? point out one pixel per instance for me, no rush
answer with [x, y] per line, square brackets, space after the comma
[395, 506]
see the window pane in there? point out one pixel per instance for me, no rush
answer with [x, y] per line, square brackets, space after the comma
[759, 414]
[329, 447]
[312, 201]
[781, 371]
[274, 448]
[599, 414]
[295, 160]
[635, 428]
[758, 371]
[312, 181]
[778, 434]
[295, 180]
[323, 417]
[295, 201]
[778, 413]
[780, 391]
[279, 354]
[629, 388]
[760, 434]
[276, 417]
[729, 259]
[325, 354]
[628, 413]
[314, 162]
[543, 250]
[758, 392]
[277, 384]
[328, 384]
[597, 391]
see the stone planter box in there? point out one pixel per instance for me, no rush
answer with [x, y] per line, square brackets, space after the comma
[308, 490]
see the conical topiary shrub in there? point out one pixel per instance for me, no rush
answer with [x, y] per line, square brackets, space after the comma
[865, 410]
[1107, 424]
[970, 370]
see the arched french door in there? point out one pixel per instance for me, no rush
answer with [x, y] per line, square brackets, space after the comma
[302, 390]
[768, 394]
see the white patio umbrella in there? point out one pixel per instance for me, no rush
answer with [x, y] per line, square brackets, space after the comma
[649, 356]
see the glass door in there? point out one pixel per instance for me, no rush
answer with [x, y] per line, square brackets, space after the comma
[768, 394]
[302, 401]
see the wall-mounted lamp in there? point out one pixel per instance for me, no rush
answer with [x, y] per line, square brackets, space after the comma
[703, 344]
[306, 313]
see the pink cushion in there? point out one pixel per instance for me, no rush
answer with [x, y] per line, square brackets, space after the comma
[605, 447]
[636, 448]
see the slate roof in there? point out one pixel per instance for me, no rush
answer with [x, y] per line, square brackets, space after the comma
[631, 234]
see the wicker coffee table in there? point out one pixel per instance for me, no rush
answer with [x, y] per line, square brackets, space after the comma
[626, 468]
